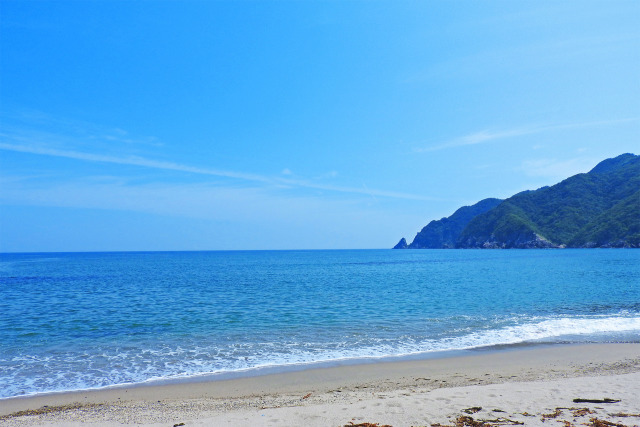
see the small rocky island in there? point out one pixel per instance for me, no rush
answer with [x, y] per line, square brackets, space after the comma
[600, 209]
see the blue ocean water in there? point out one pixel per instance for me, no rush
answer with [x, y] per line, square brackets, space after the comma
[74, 321]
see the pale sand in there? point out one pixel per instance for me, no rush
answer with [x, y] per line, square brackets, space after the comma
[525, 385]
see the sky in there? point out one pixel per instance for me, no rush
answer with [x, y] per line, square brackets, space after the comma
[233, 125]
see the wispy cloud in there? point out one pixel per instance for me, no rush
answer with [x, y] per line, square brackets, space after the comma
[354, 190]
[208, 216]
[165, 165]
[32, 125]
[490, 135]
[514, 59]
[38, 133]
[129, 160]
[479, 137]
[558, 169]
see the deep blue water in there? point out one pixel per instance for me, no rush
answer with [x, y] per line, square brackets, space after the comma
[88, 320]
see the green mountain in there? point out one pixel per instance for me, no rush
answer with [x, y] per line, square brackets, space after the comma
[615, 227]
[444, 233]
[596, 209]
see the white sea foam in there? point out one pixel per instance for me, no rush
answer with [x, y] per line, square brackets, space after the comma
[582, 329]
[181, 362]
[548, 328]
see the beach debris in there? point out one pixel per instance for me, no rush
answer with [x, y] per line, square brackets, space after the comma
[605, 400]
[595, 422]
[50, 409]
[503, 421]
[580, 412]
[351, 424]
[306, 396]
[178, 425]
[465, 421]
[554, 414]
[472, 410]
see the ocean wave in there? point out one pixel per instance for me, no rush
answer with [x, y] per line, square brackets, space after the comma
[64, 371]
[549, 328]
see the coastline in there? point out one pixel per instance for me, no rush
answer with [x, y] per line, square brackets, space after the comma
[420, 392]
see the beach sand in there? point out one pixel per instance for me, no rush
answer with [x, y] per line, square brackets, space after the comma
[531, 385]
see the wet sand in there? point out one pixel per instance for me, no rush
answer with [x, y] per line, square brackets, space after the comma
[533, 385]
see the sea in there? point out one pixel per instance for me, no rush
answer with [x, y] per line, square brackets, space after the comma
[78, 321]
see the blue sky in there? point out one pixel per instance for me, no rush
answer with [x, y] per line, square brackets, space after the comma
[193, 125]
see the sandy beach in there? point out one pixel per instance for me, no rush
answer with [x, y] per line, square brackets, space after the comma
[530, 386]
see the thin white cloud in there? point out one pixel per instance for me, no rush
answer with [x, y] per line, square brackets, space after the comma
[208, 216]
[130, 160]
[514, 58]
[30, 125]
[487, 135]
[330, 174]
[557, 169]
[479, 137]
[165, 165]
[354, 190]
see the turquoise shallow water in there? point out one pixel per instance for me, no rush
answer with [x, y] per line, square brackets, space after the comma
[88, 320]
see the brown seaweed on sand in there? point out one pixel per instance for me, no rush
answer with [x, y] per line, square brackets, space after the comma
[594, 422]
[51, 409]
[351, 424]
[554, 414]
[579, 412]
[464, 421]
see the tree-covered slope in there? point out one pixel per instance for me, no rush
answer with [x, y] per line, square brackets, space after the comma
[566, 214]
[444, 233]
[600, 208]
[506, 226]
[616, 227]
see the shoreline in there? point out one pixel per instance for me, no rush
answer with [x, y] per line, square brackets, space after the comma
[330, 387]
[268, 370]
[276, 370]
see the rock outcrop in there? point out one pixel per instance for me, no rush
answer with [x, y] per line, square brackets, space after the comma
[402, 244]
[444, 233]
